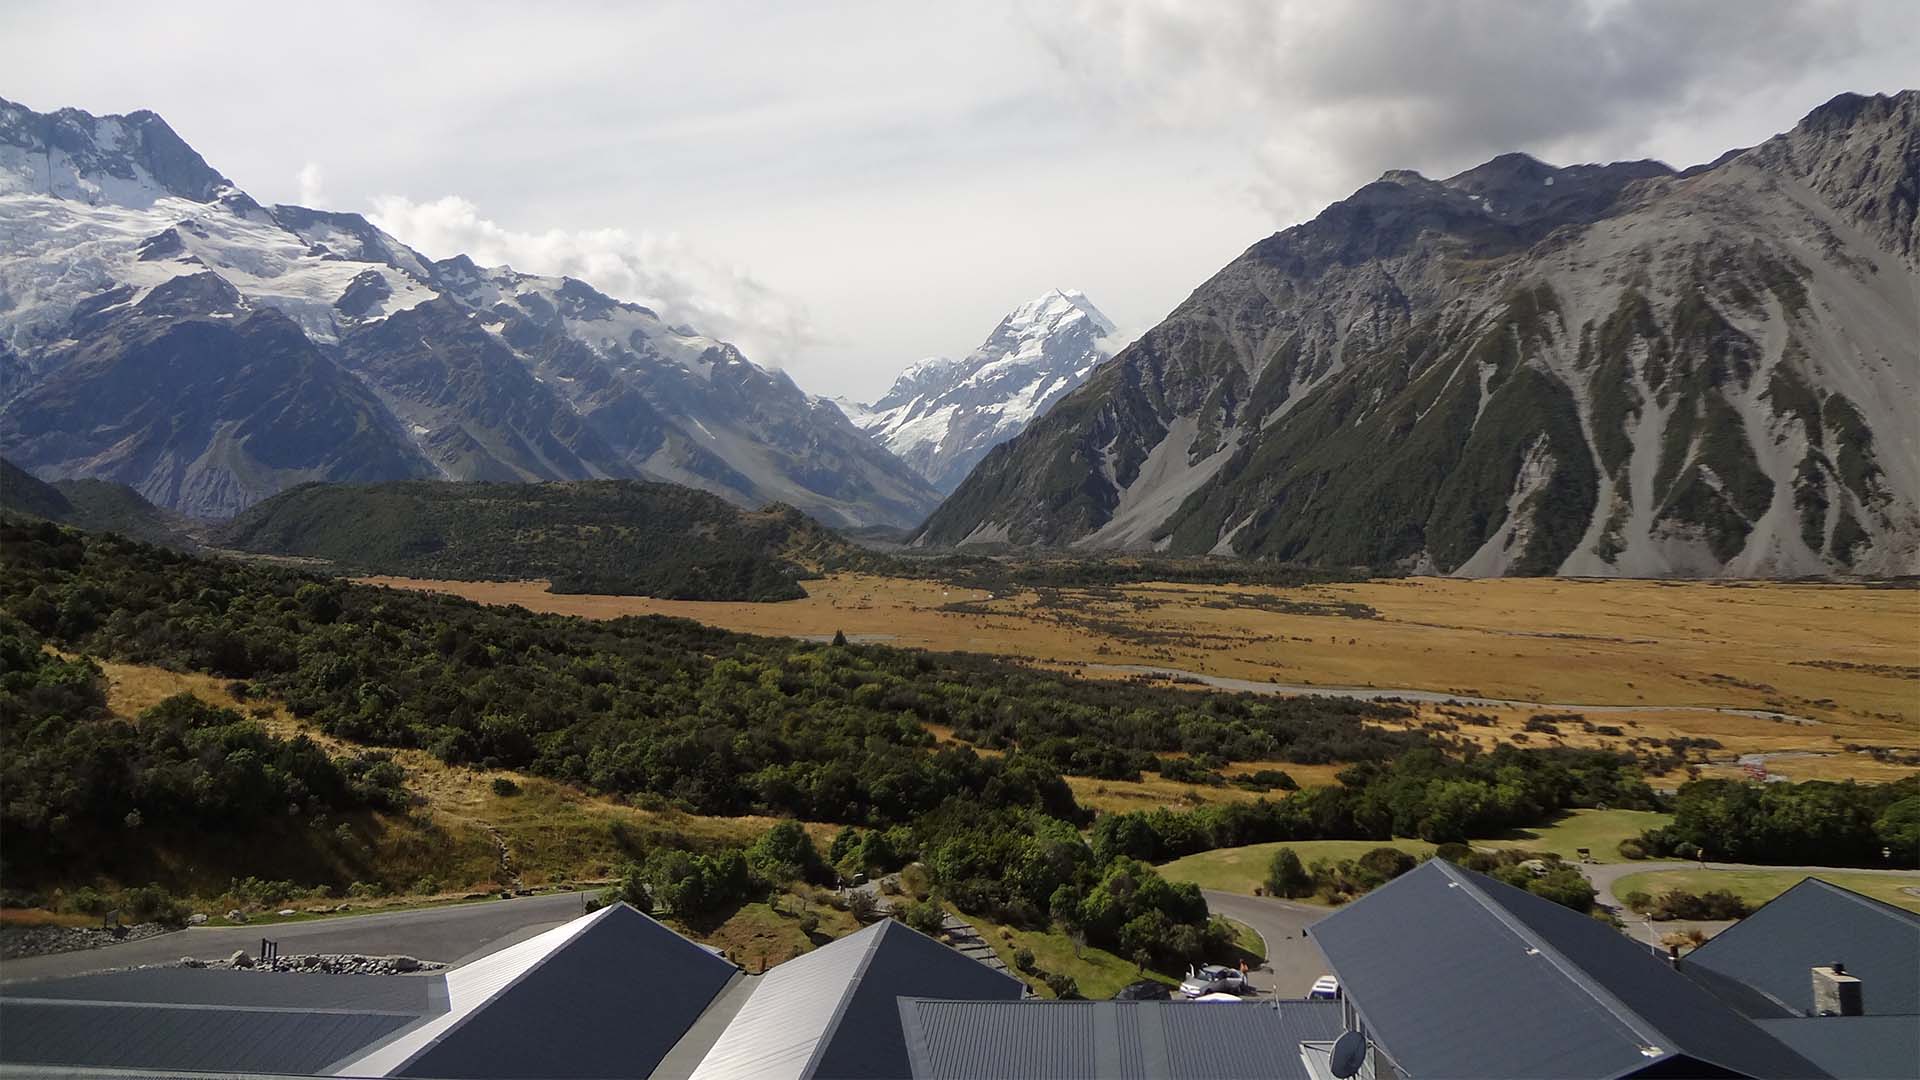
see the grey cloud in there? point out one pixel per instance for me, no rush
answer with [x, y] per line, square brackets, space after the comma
[1330, 94]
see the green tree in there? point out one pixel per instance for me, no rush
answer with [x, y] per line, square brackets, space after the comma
[1286, 876]
[1899, 829]
[785, 853]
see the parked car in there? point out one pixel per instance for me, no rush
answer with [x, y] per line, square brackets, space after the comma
[1326, 988]
[1144, 990]
[1213, 979]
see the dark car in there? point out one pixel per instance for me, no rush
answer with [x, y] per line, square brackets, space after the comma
[1144, 990]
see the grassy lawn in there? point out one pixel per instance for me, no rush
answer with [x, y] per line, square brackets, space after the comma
[1240, 869]
[1758, 886]
[1599, 831]
[1249, 941]
[1098, 973]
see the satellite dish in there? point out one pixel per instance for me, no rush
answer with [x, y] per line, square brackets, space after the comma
[1349, 1053]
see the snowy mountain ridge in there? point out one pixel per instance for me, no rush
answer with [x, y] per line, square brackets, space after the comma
[123, 254]
[942, 415]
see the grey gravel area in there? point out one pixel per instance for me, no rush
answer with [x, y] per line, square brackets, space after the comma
[21, 941]
[317, 963]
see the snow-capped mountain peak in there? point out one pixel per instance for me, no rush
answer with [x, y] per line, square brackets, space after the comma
[942, 415]
[160, 328]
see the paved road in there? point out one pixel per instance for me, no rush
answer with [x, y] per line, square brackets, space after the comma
[448, 934]
[1293, 960]
[1603, 875]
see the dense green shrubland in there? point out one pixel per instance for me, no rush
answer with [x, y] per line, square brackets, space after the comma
[74, 775]
[1812, 823]
[719, 722]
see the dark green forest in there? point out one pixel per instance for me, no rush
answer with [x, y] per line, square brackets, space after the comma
[621, 537]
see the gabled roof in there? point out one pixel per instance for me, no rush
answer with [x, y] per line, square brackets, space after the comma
[1774, 950]
[833, 1014]
[1456, 974]
[215, 1020]
[1113, 1040]
[606, 995]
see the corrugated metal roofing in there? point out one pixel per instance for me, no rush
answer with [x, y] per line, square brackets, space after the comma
[832, 1014]
[607, 995]
[1856, 1047]
[1775, 949]
[418, 994]
[183, 1018]
[212, 1038]
[1456, 974]
[468, 987]
[1112, 1040]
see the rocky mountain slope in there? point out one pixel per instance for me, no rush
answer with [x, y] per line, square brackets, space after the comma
[160, 328]
[1522, 369]
[942, 415]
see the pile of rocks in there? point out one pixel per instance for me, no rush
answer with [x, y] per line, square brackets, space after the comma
[320, 963]
[19, 941]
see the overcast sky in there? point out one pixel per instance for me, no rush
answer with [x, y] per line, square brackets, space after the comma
[845, 188]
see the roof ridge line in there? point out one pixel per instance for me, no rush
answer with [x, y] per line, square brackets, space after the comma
[868, 949]
[1628, 1017]
[580, 924]
[1869, 902]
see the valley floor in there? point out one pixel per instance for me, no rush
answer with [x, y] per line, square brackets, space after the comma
[1838, 664]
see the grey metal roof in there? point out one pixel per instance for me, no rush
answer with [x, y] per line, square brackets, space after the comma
[1112, 1040]
[418, 994]
[181, 1018]
[1856, 1047]
[1456, 974]
[211, 1038]
[833, 1015]
[609, 999]
[1774, 950]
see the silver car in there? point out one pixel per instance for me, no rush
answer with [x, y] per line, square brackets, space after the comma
[1213, 979]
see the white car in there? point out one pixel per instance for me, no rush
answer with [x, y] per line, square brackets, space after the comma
[1213, 980]
[1325, 988]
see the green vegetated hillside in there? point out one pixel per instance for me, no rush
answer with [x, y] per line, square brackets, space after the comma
[677, 715]
[623, 537]
[99, 505]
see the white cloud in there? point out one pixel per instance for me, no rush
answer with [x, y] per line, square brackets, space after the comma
[312, 191]
[659, 271]
[897, 177]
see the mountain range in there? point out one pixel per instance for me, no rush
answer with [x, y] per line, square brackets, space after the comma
[942, 415]
[1619, 369]
[160, 328]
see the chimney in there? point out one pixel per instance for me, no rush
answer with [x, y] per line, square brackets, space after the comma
[1836, 993]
